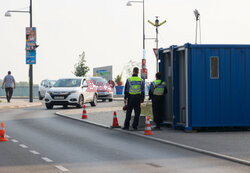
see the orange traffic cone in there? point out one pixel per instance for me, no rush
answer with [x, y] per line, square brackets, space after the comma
[2, 133]
[115, 121]
[84, 113]
[148, 130]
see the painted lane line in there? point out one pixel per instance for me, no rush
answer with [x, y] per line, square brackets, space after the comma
[34, 152]
[61, 168]
[47, 159]
[14, 140]
[23, 146]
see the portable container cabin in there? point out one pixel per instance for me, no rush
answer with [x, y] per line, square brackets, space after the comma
[208, 85]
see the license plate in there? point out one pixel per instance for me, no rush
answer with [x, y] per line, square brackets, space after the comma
[58, 98]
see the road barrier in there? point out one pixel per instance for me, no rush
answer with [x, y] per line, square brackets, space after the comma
[2, 133]
[84, 113]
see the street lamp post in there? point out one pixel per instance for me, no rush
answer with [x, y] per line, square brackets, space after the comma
[8, 14]
[197, 17]
[129, 3]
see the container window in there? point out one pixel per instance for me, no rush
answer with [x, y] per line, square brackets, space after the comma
[214, 67]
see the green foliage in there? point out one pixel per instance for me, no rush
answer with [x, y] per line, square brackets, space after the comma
[118, 78]
[80, 68]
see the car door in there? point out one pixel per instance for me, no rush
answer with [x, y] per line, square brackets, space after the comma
[91, 89]
[42, 89]
[85, 89]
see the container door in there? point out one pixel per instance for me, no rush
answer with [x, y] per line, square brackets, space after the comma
[168, 77]
[181, 107]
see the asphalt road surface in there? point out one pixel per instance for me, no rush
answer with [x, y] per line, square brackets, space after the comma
[40, 141]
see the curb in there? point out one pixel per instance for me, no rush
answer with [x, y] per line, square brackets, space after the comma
[198, 150]
[20, 106]
[82, 120]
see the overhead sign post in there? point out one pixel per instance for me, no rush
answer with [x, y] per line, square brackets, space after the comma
[31, 45]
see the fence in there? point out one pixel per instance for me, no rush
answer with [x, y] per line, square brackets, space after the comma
[22, 91]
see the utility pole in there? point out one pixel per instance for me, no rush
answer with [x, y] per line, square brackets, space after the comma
[157, 24]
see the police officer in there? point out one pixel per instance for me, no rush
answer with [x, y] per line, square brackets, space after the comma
[156, 93]
[134, 96]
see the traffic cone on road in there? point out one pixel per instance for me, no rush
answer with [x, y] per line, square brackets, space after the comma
[84, 113]
[2, 133]
[115, 121]
[148, 130]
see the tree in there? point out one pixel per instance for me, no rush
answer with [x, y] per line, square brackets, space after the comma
[80, 68]
[128, 68]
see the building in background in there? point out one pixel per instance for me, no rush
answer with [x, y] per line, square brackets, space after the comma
[106, 72]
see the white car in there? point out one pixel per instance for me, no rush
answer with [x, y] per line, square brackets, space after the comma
[104, 89]
[44, 86]
[71, 91]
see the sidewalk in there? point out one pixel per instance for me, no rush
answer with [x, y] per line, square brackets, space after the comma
[18, 103]
[234, 146]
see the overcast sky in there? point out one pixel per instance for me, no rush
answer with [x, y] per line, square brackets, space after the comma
[110, 32]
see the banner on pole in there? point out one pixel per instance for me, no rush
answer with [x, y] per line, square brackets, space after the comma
[31, 45]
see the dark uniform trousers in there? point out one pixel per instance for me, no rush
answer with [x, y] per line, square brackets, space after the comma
[134, 103]
[157, 105]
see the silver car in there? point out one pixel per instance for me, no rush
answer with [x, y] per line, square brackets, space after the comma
[71, 91]
[103, 88]
[44, 86]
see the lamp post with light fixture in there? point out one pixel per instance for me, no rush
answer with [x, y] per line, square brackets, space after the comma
[8, 14]
[144, 70]
[197, 17]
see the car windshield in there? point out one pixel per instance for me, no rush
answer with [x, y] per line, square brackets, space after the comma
[68, 83]
[52, 82]
[99, 81]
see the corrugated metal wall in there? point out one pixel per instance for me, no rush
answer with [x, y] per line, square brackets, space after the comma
[224, 101]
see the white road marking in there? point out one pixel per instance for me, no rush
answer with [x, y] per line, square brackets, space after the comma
[14, 140]
[47, 159]
[7, 136]
[61, 168]
[23, 146]
[34, 152]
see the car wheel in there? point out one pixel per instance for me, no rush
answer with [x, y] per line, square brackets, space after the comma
[39, 95]
[110, 100]
[80, 102]
[94, 102]
[49, 106]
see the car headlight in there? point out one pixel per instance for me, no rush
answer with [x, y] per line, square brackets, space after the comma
[49, 92]
[71, 92]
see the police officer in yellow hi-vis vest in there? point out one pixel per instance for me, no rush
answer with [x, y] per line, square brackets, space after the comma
[133, 96]
[156, 93]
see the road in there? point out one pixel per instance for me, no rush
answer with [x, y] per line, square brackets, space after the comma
[40, 141]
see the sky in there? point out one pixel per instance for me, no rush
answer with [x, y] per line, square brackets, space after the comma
[110, 33]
